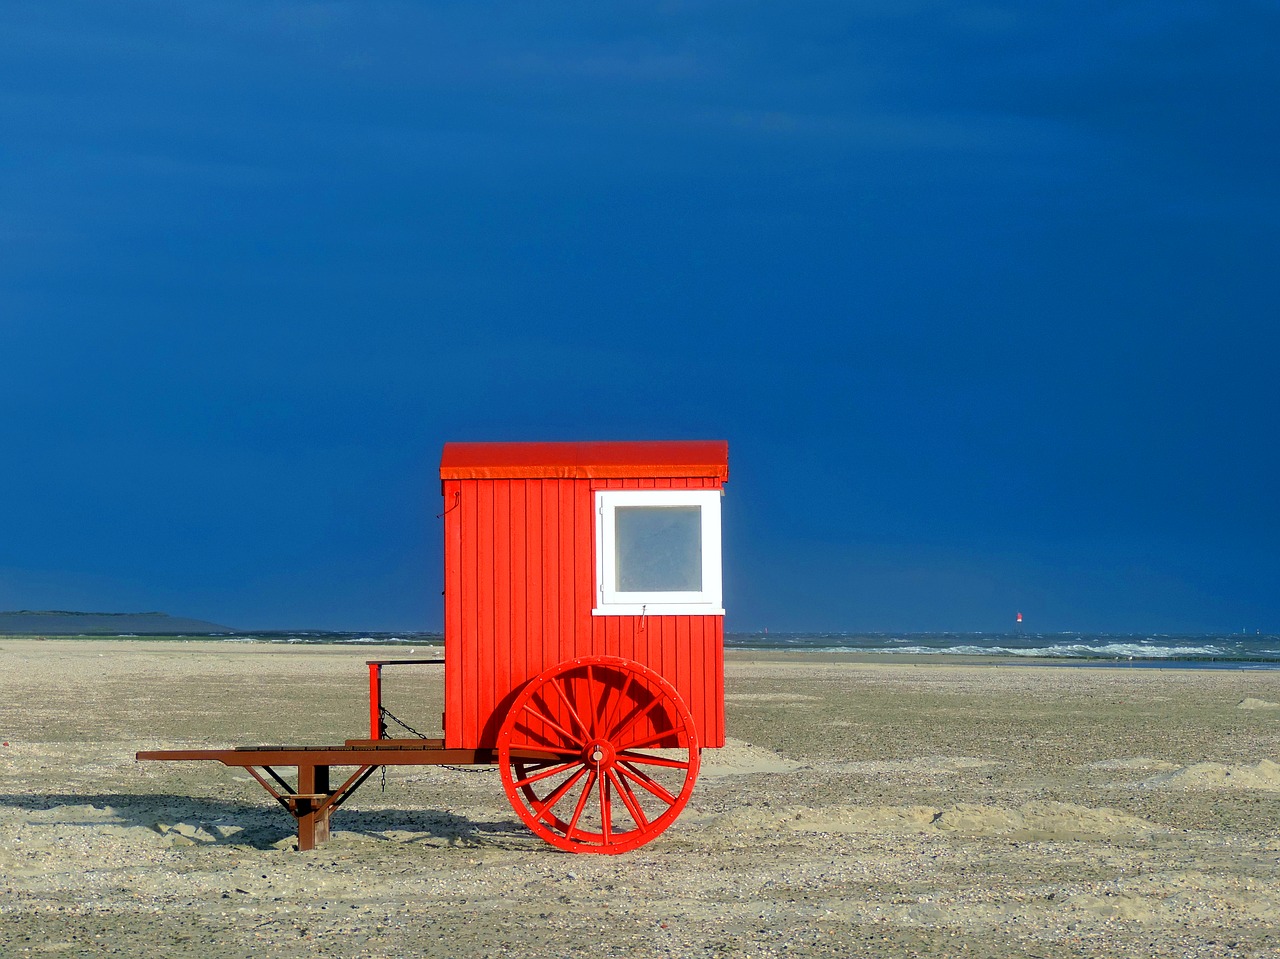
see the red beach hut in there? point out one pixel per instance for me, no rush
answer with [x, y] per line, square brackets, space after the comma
[557, 551]
[584, 628]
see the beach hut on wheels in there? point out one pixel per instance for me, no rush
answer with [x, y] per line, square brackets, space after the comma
[583, 589]
[584, 630]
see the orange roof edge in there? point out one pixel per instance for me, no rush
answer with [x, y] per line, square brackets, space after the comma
[603, 460]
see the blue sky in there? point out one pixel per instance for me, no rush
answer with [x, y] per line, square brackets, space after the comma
[982, 296]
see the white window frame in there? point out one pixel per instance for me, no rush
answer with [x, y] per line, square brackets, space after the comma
[613, 602]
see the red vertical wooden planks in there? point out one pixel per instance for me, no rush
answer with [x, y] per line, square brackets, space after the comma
[519, 611]
[535, 616]
[550, 563]
[520, 576]
[505, 521]
[566, 641]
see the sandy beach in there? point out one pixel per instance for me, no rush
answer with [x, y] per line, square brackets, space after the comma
[861, 809]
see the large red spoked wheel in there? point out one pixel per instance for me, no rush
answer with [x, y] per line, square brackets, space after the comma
[598, 754]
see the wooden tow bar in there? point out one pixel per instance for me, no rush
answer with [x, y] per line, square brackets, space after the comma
[584, 638]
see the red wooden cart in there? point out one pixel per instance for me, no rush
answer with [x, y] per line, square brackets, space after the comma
[583, 643]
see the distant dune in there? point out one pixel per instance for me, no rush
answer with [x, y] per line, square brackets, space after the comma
[58, 622]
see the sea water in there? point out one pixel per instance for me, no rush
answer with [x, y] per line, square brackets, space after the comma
[1231, 650]
[1226, 650]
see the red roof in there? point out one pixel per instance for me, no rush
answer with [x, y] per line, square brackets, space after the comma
[679, 458]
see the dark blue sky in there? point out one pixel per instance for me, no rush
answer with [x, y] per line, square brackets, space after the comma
[983, 297]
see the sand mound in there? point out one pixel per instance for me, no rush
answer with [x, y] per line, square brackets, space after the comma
[1037, 820]
[743, 759]
[1040, 820]
[1251, 703]
[1264, 775]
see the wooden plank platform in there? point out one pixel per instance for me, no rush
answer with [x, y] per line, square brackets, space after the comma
[310, 799]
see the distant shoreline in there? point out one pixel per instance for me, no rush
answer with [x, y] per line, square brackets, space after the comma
[734, 651]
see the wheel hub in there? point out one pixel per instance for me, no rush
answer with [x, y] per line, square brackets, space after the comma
[600, 753]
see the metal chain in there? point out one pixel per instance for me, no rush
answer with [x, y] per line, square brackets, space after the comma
[388, 714]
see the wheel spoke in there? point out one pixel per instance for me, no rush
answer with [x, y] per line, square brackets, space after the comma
[582, 804]
[680, 735]
[541, 714]
[573, 713]
[544, 773]
[543, 756]
[647, 759]
[629, 799]
[645, 782]
[606, 814]
[535, 737]
[602, 705]
[540, 808]
[613, 730]
[592, 705]
[635, 716]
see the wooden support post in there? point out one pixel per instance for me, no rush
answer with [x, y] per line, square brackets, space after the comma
[376, 727]
[312, 806]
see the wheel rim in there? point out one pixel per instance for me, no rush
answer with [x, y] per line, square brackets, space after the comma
[617, 754]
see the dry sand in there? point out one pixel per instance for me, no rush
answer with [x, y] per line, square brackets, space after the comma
[862, 809]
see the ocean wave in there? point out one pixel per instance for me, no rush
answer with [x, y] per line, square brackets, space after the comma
[1071, 650]
[1054, 646]
[341, 639]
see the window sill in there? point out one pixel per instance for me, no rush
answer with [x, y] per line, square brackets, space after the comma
[658, 609]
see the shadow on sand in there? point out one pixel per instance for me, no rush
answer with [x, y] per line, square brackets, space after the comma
[213, 822]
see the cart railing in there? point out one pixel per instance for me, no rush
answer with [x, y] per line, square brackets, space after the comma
[378, 713]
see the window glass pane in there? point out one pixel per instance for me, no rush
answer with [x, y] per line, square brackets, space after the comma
[659, 548]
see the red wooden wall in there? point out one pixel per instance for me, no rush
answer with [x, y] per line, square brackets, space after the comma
[520, 585]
